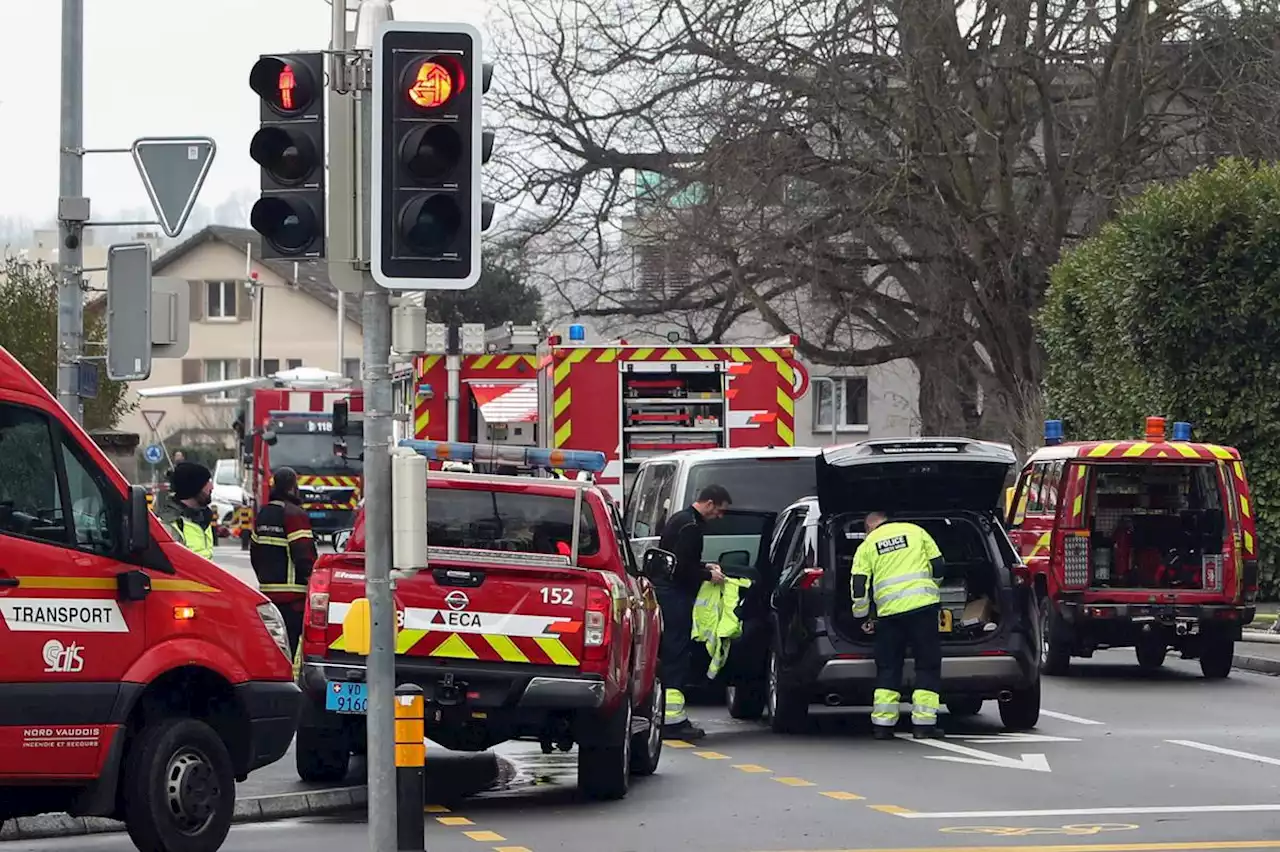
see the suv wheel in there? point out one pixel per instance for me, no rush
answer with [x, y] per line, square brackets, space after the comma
[747, 700]
[1022, 711]
[646, 746]
[604, 763]
[1055, 658]
[1216, 657]
[788, 712]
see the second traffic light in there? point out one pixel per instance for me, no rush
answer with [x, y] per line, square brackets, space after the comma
[428, 147]
[289, 146]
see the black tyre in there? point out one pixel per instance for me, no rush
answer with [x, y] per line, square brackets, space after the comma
[179, 788]
[1151, 654]
[646, 746]
[604, 762]
[322, 755]
[1216, 658]
[747, 700]
[966, 706]
[788, 712]
[1055, 654]
[1022, 711]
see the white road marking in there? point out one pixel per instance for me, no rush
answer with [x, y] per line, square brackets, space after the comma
[1031, 762]
[1074, 812]
[1229, 752]
[1010, 737]
[1067, 717]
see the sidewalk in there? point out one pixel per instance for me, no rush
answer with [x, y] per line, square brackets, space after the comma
[1258, 652]
[275, 792]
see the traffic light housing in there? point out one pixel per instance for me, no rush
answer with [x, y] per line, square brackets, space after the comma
[289, 147]
[428, 147]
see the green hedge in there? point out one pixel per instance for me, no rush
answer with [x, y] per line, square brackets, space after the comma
[1174, 309]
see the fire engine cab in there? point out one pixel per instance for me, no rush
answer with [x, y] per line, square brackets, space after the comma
[1147, 543]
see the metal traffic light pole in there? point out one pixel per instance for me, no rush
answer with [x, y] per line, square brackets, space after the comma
[71, 220]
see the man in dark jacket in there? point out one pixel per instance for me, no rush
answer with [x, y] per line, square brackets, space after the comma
[682, 535]
[283, 551]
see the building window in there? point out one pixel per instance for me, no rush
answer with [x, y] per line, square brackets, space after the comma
[221, 299]
[351, 368]
[270, 366]
[219, 370]
[851, 403]
[293, 363]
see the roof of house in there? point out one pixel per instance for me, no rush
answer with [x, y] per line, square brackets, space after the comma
[310, 276]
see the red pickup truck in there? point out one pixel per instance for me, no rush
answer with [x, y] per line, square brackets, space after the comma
[533, 620]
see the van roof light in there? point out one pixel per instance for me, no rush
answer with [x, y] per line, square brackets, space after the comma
[532, 457]
[1155, 429]
[1181, 431]
[1053, 432]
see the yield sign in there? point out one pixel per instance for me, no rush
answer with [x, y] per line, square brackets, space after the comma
[153, 418]
[172, 171]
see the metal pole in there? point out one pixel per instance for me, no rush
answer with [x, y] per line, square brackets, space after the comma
[70, 233]
[453, 371]
[376, 313]
[342, 332]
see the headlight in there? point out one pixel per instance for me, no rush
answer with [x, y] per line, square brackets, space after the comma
[274, 622]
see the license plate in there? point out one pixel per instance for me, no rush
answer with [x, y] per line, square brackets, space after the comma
[944, 621]
[316, 514]
[346, 697]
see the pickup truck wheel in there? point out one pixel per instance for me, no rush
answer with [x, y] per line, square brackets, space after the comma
[1022, 711]
[321, 755]
[179, 788]
[1217, 657]
[788, 713]
[747, 700]
[604, 763]
[1055, 656]
[646, 746]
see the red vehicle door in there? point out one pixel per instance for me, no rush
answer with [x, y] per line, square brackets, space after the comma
[67, 638]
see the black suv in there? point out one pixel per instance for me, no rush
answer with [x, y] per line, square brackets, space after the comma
[950, 486]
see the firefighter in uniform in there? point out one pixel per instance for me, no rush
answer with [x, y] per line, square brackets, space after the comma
[188, 514]
[283, 550]
[895, 567]
[682, 536]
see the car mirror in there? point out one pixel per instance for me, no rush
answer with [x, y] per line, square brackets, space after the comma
[341, 539]
[269, 438]
[658, 563]
[137, 534]
[739, 560]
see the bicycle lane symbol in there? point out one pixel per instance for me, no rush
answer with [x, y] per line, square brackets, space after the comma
[1080, 830]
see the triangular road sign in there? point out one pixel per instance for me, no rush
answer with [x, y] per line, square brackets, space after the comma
[172, 171]
[153, 417]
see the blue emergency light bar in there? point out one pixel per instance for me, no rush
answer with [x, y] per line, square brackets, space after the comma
[1181, 431]
[1053, 432]
[533, 457]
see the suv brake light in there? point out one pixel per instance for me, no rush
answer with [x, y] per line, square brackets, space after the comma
[317, 614]
[599, 624]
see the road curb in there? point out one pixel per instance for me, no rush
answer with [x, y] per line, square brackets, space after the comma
[1257, 665]
[249, 809]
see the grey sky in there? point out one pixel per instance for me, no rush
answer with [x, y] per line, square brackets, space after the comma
[152, 68]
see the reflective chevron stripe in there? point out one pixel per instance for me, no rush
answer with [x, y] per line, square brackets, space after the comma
[482, 647]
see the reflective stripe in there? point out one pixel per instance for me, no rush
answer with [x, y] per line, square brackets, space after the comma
[884, 707]
[281, 587]
[299, 534]
[674, 713]
[924, 707]
[270, 540]
[916, 588]
[862, 608]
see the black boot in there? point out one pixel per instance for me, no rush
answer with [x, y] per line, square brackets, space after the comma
[881, 732]
[685, 730]
[927, 732]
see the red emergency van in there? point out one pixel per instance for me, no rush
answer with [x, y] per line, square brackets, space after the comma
[139, 681]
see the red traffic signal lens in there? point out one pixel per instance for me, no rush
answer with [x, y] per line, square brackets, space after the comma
[284, 83]
[432, 82]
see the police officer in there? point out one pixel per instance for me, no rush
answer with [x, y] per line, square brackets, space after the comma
[896, 565]
[188, 513]
[282, 551]
[682, 536]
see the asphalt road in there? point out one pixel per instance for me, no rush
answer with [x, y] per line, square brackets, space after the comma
[1122, 762]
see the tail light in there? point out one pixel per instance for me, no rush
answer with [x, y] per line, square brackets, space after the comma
[316, 617]
[598, 624]
[1075, 560]
[809, 578]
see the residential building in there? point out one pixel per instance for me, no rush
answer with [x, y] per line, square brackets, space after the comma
[229, 280]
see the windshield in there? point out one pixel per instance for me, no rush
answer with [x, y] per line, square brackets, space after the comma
[225, 474]
[307, 452]
[506, 520]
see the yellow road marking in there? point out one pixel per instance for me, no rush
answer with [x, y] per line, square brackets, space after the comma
[1171, 846]
[454, 821]
[677, 744]
[712, 755]
[794, 782]
[435, 809]
[841, 796]
[511, 849]
[891, 809]
[750, 767]
[485, 836]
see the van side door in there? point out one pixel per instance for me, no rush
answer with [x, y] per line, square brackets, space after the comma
[68, 639]
[648, 508]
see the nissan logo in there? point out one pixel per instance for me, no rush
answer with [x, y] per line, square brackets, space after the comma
[457, 600]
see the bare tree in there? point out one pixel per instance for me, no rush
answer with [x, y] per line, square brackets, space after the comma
[883, 178]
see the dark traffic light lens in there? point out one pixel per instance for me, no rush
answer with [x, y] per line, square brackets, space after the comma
[429, 152]
[289, 228]
[430, 223]
[289, 158]
[286, 86]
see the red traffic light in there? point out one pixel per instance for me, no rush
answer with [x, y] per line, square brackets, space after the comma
[284, 83]
[431, 82]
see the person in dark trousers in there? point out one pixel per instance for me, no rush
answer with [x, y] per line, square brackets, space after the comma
[187, 513]
[283, 551]
[682, 536]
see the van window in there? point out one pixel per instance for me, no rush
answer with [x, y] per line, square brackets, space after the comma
[30, 498]
[225, 473]
[95, 511]
[1049, 487]
[652, 500]
[761, 484]
[1033, 488]
[507, 520]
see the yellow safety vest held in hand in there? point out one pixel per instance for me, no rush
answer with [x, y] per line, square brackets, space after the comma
[195, 537]
[893, 563]
[715, 619]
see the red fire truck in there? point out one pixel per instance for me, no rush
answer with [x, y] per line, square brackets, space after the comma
[630, 402]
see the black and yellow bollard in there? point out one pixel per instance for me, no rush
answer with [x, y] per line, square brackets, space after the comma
[411, 758]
